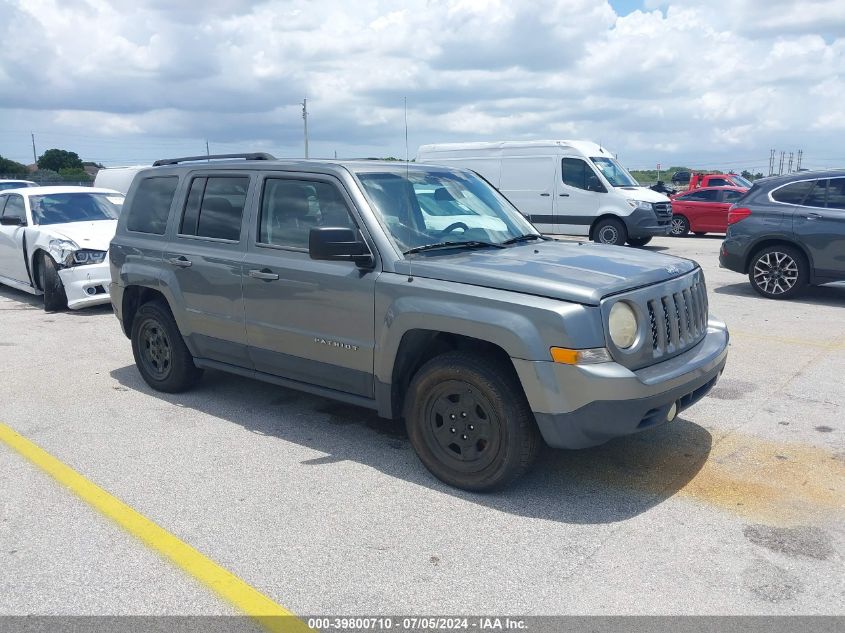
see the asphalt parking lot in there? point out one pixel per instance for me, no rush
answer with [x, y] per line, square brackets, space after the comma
[737, 507]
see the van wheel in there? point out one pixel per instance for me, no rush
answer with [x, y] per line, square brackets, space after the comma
[162, 358]
[638, 241]
[779, 272]
[55, 298]
[680, 226]
[610, 231]
[469, 422]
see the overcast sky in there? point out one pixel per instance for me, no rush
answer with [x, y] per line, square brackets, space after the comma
[707, 84]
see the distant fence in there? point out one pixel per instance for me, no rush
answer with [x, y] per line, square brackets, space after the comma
[45, 182]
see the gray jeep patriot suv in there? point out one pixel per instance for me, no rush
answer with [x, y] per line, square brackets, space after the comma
[414, 290]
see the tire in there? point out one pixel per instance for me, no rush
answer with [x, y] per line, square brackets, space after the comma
[779, 272]
[680, 226]
[55, 298]
[492, 438]
[162, 358]
[638, 241]
[610, 231]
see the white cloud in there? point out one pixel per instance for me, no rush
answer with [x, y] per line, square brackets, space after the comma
[677, 82]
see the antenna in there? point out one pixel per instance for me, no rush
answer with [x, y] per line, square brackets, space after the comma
[408, 180]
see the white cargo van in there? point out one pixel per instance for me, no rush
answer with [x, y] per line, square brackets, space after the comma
[564, 187]
[117, 178]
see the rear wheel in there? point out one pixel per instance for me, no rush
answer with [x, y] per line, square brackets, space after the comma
[779, 272]
[610, 231]
[55, 298]
[680, 226]
[470, 423]
[638, 241]
[162, 357]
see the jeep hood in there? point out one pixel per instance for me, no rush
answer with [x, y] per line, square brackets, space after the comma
[571, 271]
[91, 235]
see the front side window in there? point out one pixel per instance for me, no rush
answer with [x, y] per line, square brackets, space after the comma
[151, 205]
[14, 207]
[423, 208]
[576, 173]
[793, 193]
[215, 207]
[291, 208]
[615, 173]
[61, 208]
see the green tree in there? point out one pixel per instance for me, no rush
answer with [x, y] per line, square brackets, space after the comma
[747, 174]
[11, 168]
[58, 159]
[74, 174]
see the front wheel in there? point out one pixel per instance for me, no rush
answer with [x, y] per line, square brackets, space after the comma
[779, 272]
[469, 422]
[680, 226]
[610, 231]
[638, 241]
[163, 359]
[55, 297]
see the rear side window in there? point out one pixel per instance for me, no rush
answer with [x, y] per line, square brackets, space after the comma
[836, 193]
[151, 206]
[817, 196]
[707, 195]
[215, 207]
[718, 182]
[793, 193]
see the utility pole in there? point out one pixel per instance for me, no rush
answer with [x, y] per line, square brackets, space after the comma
[789, 168]
[772, 163]
[780, 168]
[34, 155]
[800, 155]
[207, 153]
[305, 123]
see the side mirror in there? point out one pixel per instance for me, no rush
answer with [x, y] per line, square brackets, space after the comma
[12, 220]
[339, 244]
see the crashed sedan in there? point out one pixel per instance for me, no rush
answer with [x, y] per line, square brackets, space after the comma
[54, 242]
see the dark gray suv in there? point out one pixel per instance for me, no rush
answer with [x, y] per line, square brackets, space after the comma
[414, 290]
[788, 232]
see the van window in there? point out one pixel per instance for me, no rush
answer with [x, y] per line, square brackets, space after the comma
[215, 207]
[291, 208]
[576, 173]
[793, 193]
[151, 206]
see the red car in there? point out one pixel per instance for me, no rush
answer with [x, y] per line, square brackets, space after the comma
[703, 210]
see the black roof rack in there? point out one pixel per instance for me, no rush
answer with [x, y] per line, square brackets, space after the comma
[188, 159]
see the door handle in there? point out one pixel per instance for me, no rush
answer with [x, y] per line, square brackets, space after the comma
[563, 195]
[545, 195]
[265, 273]
[813, 216]
[181, 261]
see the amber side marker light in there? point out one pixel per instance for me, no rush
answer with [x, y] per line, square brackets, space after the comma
[568, 356]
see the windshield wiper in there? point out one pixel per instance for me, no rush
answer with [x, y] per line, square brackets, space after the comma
[525, 238]
[438, 245]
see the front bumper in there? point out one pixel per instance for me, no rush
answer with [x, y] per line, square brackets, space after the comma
[86, 285]
[642, 223]
[577, 406]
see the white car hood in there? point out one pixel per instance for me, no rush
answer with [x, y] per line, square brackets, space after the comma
[93, 235]
[642, 193]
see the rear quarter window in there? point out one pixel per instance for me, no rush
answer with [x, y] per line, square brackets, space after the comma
[150, 206]
[793, 193]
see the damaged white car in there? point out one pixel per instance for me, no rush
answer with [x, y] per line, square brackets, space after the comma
[55, 240]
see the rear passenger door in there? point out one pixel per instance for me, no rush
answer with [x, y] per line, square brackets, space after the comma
[307, 320]
[205, 260]
[819, 222]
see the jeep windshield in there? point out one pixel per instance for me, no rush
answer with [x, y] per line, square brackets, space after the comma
[615, 173]
[428, 208]
[60, 208]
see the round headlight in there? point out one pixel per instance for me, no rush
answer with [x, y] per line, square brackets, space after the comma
[622, 325]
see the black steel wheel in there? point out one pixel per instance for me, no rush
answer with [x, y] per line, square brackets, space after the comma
[778, 272]
[610, 231]
[469, 421]
[162, 357]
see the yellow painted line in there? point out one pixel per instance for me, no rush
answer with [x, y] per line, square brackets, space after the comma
[252, 602]
[834, 345]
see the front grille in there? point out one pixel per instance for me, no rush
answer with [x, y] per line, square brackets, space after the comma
[663, 210]
[679, 319]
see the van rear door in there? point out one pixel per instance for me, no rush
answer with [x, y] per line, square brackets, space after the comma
[528, 182]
